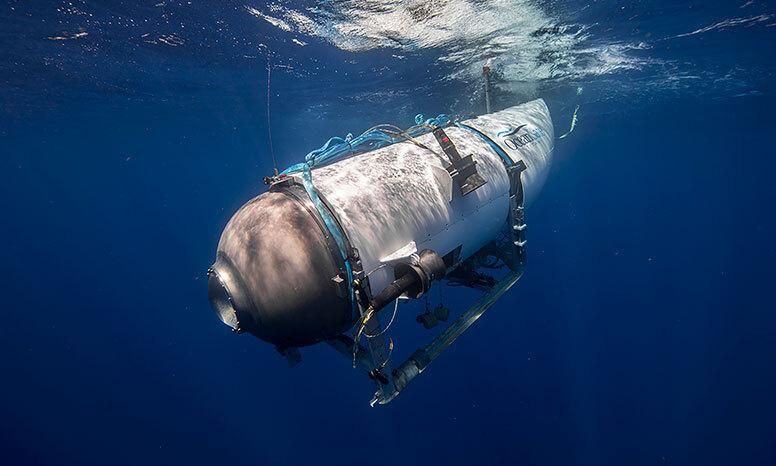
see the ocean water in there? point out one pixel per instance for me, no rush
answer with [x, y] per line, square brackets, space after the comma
[643, 331]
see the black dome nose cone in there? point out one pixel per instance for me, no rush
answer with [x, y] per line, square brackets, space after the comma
[277, 270]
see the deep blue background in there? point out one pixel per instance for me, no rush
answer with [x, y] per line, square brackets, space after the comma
[642, 333]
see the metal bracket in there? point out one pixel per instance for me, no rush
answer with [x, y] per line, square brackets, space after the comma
[374, 357]
[463, 170]
[422, 358]
[517, 224]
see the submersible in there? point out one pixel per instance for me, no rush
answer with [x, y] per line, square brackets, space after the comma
[364, 222]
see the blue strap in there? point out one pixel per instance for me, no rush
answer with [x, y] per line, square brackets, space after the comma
[496, 148]
[331, 225]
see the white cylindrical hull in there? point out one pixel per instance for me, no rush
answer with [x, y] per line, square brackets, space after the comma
[400, 199]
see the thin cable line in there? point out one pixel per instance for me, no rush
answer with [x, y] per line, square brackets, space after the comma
[269, 121]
